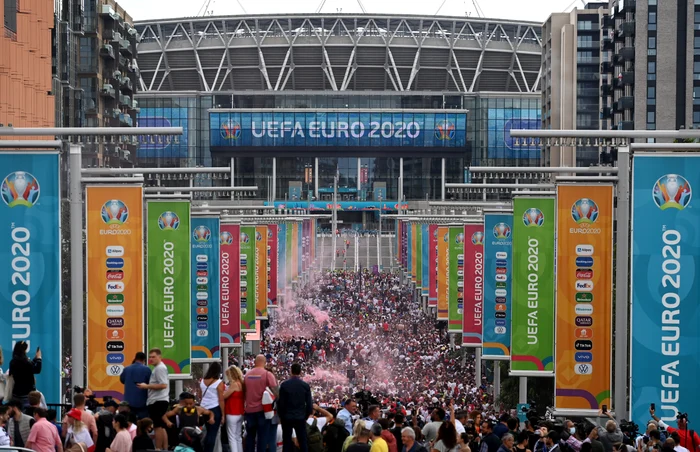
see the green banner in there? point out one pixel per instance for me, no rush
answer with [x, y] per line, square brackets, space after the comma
[455, 284]
[419, 256]
[533, 285]
[248, 291]
[168, 248]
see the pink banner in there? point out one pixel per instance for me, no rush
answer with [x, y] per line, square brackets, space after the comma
[272, 258]
[472, 316]
[432, 265]
[230, 285]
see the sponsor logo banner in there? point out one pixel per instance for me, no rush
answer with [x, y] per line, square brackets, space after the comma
[247, 281]
[229, 284]
[261, 272]
[273, 263]
[455, 282]
[432, 265]
[425, 259]
[472, 318]
[204, 241]
[442, 272]
[498, 266]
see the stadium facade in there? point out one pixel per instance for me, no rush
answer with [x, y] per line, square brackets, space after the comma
[288, 100]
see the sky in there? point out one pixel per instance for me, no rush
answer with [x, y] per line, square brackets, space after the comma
[528, 10]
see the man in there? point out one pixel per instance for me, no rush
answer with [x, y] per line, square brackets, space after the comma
[334, 433]
[4, 416]
[373, 414]
[257, 380]
[396, 431]
[88, 419]
[513, 426]
[294, 406]
[378, 443]
[502, 427]
[461, 418]
[651, 426]
[507, 443]
[43, 436]
[158, 397]
[362, 444]
[552, 441]
[688, 438]
[19, 424]
[137, 372]
[677, 443]
[346, 414]
[430, 430]
[610, 434]
[408, 438]
[592, 436]
[489, 441]
[34, 399]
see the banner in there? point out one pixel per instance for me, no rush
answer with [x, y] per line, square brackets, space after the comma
[290, 264]
[425, 260]
[418, 249]
[300, 249]
[432, 265]
[665, 291]
[533, 286]
[472, 318]
[443, 269]
[412, 237]
[30, 291]
[230, 285]
[583, 359]
[168, 248]
[272, 263]
[281, 262]
[498, 269]
[248, 287]
[114, 281]
[455, 282]
[261, 272]
[204, 296]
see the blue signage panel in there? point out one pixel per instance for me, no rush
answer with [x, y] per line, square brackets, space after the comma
[665, 290]
[501, 121]
[498, 266]
[163, 146]
[204, 298]
[30, 249]
[350, 206]
[338, 129]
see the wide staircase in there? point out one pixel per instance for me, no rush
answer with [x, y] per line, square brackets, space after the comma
[362, 252]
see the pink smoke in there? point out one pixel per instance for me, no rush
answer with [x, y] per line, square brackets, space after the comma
[319, 316]
[325, 375]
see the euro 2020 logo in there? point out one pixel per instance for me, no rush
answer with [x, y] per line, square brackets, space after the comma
[201, 234]
[533, 218]
[672, 191]
[501, 231]
[459, 238]
[584, 211]
[20, 189]
[115, 211]
[258, 236]
[478, 238]
[226, 238]
[168, 221]
[445, 130]
[244, 238]
[230, 130]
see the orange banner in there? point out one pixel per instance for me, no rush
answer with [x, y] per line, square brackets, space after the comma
[261, 272]
[114, 280]
[442, 272]
[584, 296]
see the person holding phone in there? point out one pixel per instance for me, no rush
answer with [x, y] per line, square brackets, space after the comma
[688, 438]
[22, 371]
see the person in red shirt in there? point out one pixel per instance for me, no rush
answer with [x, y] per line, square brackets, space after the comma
[689, 438]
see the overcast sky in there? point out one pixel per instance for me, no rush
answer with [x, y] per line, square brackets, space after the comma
[530, 10]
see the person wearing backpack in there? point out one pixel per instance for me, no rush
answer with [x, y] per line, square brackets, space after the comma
[334, 434]
[294, 406]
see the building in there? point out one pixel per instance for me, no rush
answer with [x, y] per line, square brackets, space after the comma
[26, 99]
[96, 74]
[571, 61]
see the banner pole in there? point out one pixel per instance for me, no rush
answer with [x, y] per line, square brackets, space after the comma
[522, 390]
[622, 328]
[496, 380]
[477, 359]
[77, 294]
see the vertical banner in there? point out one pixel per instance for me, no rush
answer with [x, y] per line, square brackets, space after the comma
[498, 269]
[114, 281]
[247, 270]
[583, 360]
[418, 269]
[261, 272]
[443, 269]
[472, 317]
[533, 286]
[412, 237]
[397, 241]
[425, 260]
[272, 264]
[282, 261]
[664, 286]
[289, 262]
[455, 282]
[300, 250]
[433, 265]
[168, 248]
[204, 296]
[229, 285]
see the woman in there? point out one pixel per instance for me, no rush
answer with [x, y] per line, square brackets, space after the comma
[22, 371]
[420, 439]
[122, 440]
[476, 417]
[212, 391]
[356, 430]
[463, 441]
[523, 441]
[77, 431]
[143, 441]
[234, 398]
[446, 440]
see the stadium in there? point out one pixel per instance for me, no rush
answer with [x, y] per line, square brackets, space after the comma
[386, 102]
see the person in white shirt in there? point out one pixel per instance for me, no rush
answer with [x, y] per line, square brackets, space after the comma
[4, 416]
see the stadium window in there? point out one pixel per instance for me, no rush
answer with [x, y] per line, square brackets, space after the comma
[10, 9]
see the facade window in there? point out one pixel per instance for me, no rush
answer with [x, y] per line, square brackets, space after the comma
[696, 117]
[585, 25]
[696, 42]
[10, 9]
[696, 95]
[652, 2]
[651, 67]
[651, 117]
[585, 41]
[652, 20]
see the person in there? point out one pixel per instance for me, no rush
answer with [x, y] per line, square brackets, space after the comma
[257, 380]
[125, 409]
[104, 420]
[34, 400]
[430, 430]
[688, 438]
[387, 435]
[234, 408]
[523, 442]
[187, 413]
[489, 441]
[475, 416]
[507, 443]
[4, 416]
[361, 442]
[611, 434]
[142, 441]
[22, 371]
[158, 396]
[334, 433]
[463, 440]
[345, 415]
[677, 443]
[552, 441]
[446, 440]
[122, 440]
[212, 390]
[514, 426]
[19, 425]
[356, 429]
[378, 443]
[133, 374]
[189, 438]
[502, 427]
[373, 414]
[294, 406]
[51, 416]
[396, 430]
[86, 418]
[44, 436]
[77, 431]
[408, 439]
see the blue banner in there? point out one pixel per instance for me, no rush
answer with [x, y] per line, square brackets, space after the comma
[205, 296]
[162, 146]
[501, 145]
[282, 261]
[498, 265]
[30, 279]
[338, 129]
[665, 293]
[425, 260]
